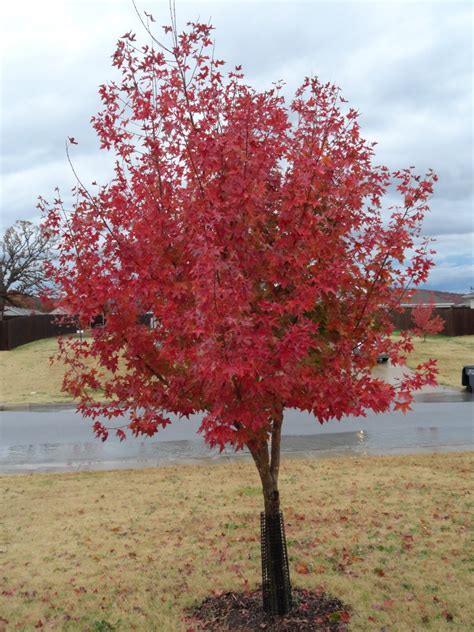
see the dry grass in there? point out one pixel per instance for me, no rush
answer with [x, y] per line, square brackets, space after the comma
[131, 550]
[28, 376]
[452, 354]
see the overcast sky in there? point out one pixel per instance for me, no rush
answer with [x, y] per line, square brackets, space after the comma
[406, 66]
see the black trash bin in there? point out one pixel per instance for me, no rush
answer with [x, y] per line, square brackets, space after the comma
[467, 376]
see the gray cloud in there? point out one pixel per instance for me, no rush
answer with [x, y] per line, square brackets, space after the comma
[406, 66]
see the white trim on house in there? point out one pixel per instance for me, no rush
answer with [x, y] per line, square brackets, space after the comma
[12, 310]
[469, 299]
[433, 304]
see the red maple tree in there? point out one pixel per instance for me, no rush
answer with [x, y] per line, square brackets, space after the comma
[424, 320]
[252, 230]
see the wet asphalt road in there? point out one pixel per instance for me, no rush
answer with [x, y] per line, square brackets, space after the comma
[60, 440]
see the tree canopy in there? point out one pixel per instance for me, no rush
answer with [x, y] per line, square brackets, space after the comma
[255, 232]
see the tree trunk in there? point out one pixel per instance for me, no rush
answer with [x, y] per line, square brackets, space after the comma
[276, 585]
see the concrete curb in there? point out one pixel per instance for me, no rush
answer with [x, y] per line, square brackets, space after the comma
[38, 407]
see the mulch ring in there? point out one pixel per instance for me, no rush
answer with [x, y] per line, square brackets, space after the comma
[243, 612]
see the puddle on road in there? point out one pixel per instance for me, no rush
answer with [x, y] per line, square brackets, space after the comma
[136, 454]
[447, 397]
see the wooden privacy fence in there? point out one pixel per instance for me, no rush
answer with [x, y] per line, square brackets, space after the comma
[458, 321]
[19, 330]
[22, 329]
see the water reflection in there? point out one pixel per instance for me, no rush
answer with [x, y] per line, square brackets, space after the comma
[427, 436]
[58, 456]
[316, 443]
[442, 397]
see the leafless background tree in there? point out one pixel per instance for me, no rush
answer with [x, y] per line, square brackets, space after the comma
[24, 248]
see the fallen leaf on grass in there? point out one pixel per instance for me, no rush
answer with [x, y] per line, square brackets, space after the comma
[319, 569]
[301, 568]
